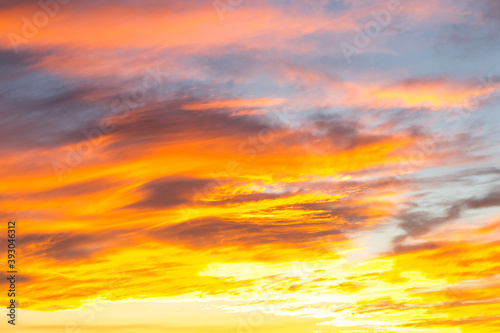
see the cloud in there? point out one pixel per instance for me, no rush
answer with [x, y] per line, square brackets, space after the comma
[432, 93]
[492, 199]
[73, 246]
[42, 110]
[417, 223]
[168, 192]
[236, 103]
[251, 197]
[85, 188]
[340, 134]
[214, 232]
[491, 10]
[168, 124]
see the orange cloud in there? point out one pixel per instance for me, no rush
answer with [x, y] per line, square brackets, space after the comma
[233, 103]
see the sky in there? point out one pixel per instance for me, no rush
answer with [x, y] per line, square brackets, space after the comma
[236, 166]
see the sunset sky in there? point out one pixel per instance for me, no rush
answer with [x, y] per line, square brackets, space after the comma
[265, 166]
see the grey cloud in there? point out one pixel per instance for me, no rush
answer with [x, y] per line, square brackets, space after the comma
[69, 246]
[416, 223]
[168, 192]
[210, 232]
